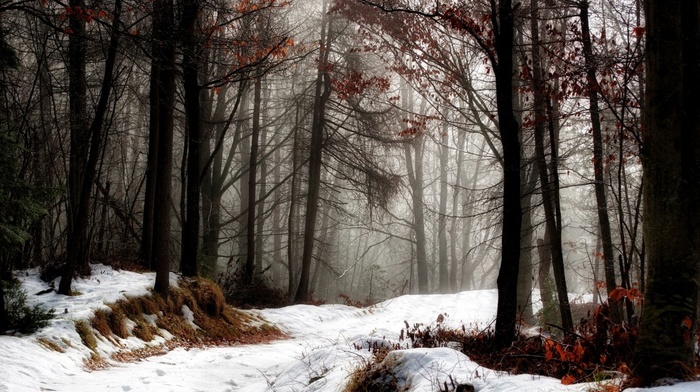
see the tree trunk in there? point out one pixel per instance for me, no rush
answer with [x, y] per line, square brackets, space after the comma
[665, 347]
[454, 261]
[82, 172]
[260, 224]
[525, 274]
[291, 234]
[79, 140]
[599, 175]
[507, 281]
[189, 256]
[163, 19]
[442, 215]
[323, 91]
[415, 178]
[548, 179]
[249, 270]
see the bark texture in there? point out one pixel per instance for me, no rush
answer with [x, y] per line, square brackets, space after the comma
[671, 196]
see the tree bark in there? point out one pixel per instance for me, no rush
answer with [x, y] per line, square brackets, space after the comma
[454, 261]
[507, 281]
[599, 175]
[415, 178]
[249, 270]
[323, 91]
[443, 267]
[547, 177]
[671, 157]
[189, 256]
[82, 172]
[163, 20]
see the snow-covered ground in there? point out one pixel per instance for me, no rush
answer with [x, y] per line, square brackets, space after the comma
[320, 354]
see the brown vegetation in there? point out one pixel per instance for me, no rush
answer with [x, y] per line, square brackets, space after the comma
[215, 322]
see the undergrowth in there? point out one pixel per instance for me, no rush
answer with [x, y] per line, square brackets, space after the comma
[596, 350]
[375, 373]
[195, 313]
[22, 317]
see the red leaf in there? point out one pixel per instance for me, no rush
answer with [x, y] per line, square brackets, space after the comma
[568, 379]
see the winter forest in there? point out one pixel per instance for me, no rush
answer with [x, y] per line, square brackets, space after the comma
[282, 152]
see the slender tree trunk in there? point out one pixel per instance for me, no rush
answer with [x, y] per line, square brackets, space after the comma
[249, 270]
[149, 203]
[666, 343]
[323, 91]
[415, 178]
[525, 274]
[291, 234]
[260, 224]
[599, 175]
[244, 183]
[189, 256]
[454, 261]
[212, 185]
[276, 217]
[544, 251]
[547, 178]
[443, 267]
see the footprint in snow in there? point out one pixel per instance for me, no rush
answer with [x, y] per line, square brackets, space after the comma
[126, 388]
[160, 372]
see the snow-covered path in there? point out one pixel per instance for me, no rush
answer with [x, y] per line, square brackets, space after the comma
[319, 355]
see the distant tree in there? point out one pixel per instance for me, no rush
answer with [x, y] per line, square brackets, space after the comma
[322, 93]
[671, 158]
[189, 256]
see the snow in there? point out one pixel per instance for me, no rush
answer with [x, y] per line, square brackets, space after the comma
[326, 344]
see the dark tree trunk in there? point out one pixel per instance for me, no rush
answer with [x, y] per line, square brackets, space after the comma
[599, 175]
[291, 235]
[323, 91]
[507, 281]
[79, 140]
[249, 270]
[262, 193]
[189, 256]
[149, 202]
[547, 177]
[163, 20]
[671, 157]
[82, 172]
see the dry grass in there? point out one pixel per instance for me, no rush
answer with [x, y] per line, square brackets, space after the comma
[95, 362]
[50, 345]
[374, 375]
[218, 324]
[86, 335]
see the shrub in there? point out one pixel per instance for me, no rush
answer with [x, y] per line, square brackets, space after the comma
[20, 316]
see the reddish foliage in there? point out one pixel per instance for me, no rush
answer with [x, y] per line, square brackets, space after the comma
[595, 347]
[354, 83]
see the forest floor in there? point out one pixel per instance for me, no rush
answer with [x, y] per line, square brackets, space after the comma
[325, 347]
